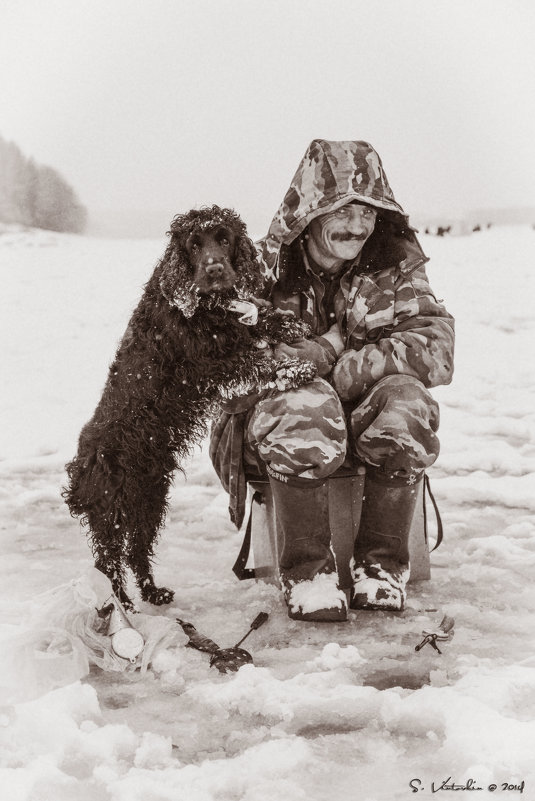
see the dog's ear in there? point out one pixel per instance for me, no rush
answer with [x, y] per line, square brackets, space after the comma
[176, 278]
[250, 281]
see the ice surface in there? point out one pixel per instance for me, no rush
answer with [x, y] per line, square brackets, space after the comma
[327, 711]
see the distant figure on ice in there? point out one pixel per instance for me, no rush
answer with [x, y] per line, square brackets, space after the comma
[341, 255]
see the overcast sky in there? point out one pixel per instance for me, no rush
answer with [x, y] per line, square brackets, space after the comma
[150, 107]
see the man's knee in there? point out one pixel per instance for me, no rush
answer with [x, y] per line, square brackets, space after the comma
[402, 393]
[396, 424]
[300, 432]
[397, 387]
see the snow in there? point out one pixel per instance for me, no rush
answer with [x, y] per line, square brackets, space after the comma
[320, 593]
[342, 710]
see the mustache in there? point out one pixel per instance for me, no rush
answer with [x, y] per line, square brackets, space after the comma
[348, 237]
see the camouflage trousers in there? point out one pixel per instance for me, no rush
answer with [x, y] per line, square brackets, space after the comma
[307, 433]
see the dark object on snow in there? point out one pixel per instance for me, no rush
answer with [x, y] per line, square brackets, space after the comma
[443, 633]
[193, 339]
[226, 660]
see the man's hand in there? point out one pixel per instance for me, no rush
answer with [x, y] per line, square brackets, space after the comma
[298, 349]
[321, 353]
[334, 338]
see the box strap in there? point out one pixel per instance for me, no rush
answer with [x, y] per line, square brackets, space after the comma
[440, 529]
[239, 568]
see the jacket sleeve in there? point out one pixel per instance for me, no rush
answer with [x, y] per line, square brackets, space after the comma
[420, 343]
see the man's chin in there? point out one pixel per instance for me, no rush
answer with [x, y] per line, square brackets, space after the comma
[348, 250]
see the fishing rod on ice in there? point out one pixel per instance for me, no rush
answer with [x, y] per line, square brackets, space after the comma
[226, 660]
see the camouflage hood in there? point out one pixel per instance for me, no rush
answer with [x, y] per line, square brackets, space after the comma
[330, 175]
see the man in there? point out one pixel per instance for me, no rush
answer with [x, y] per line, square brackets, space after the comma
[340, 254]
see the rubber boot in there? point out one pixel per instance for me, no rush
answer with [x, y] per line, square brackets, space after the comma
[307, 565]
[380, 567]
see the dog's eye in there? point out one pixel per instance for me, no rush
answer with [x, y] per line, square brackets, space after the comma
[193, 244]
[223, 237]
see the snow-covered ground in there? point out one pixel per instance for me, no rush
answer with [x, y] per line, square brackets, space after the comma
[328, 711]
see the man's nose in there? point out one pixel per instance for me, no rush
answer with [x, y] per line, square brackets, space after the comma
[357, 220]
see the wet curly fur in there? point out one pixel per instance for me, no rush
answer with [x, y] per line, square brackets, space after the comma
[182, 351]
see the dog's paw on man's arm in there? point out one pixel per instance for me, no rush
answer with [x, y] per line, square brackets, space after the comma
[319, 351]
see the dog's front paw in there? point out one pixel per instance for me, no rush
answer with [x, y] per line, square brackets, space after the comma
[278, 325]
[157, 595]
[293, 373]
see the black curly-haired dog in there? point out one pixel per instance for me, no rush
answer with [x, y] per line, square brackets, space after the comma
[189, 343]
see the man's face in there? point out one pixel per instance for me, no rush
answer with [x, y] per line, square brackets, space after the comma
[339, 236]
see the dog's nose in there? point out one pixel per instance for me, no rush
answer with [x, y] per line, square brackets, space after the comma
[214, 268]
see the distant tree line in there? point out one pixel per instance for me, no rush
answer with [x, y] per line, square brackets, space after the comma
[36, 195]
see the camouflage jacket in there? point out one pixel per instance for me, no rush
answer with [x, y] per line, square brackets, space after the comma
[389, 321]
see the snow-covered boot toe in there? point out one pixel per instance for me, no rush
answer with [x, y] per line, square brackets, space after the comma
[374, 587]
[317, 599]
